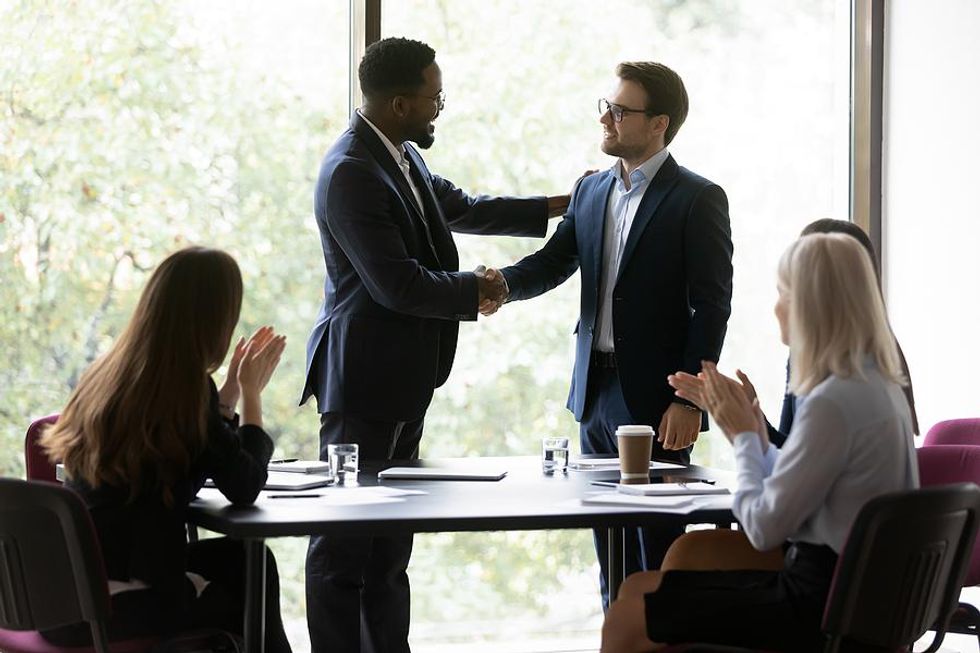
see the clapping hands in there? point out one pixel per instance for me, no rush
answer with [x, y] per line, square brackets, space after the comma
[493, 289]
[733, 405]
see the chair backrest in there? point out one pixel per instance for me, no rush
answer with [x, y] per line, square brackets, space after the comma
[50, 559]
[902, 567]
[954, 431]
[945, 464]
[39, 467]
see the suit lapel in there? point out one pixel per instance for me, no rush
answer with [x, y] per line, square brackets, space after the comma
[441, 239]
[383, 156]
[654, 195]
[600, 200]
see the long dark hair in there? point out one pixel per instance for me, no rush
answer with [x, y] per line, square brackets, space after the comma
[139, 413]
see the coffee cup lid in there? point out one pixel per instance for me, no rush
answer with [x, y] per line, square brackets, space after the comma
[634, 429]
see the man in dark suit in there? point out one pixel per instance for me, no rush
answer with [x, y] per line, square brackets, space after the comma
[386, 334]
[653, 243]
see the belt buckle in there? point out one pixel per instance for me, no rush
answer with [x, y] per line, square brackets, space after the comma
[791, 554]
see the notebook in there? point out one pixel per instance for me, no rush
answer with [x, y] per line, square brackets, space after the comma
[670, 489]
[442, 474]
[605, 464]
[290, 481]
[294, 481]
[300, 466]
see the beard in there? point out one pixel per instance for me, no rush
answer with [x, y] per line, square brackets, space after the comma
[424, 138]
[615, 148]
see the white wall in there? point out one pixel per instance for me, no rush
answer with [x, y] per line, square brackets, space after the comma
[931, 236]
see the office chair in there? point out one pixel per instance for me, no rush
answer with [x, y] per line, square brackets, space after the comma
[53, 575]
[956, 463]
[39, 467]
[899, 574]
[954, 431]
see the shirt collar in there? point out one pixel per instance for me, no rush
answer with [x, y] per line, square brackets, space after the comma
[397, 153]
[643, 173]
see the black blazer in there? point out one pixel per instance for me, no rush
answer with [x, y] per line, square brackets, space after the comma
[145, 539]
[672, 297]
[385, 336]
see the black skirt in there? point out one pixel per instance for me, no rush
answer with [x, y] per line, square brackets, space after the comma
[774, 610]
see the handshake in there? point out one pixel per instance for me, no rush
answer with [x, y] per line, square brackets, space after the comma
[493, 289]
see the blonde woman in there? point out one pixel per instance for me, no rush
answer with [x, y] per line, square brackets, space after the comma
[851, 441]
[143, 430]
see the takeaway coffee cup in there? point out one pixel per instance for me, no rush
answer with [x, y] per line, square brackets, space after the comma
[635, 446]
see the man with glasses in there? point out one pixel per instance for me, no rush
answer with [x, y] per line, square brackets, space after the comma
[385, 336]
[653, 243]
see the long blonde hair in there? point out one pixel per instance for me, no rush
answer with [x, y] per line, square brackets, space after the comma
[836, 314]
[139, 413]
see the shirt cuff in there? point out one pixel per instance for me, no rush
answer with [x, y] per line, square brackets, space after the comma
[748, 452]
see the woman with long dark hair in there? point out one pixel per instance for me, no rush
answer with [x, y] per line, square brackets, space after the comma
[146, 427]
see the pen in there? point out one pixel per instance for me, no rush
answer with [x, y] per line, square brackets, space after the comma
[283, 460]
[293, 496]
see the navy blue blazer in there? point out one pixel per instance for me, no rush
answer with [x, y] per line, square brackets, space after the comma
[386, 333]
[672, 296]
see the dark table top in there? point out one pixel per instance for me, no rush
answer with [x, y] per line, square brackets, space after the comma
[525, 499]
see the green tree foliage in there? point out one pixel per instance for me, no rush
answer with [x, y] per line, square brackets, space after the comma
[130, 128]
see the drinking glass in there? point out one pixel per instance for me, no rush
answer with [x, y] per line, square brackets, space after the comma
[554, 455]
[343, 463]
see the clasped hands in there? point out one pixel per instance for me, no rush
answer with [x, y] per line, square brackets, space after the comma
[734, 405]
[493, 289]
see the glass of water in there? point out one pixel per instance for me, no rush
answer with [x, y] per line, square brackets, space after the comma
[554, 455]
[343, 463]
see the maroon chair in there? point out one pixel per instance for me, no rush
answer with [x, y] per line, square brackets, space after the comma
[943, 464]
[53, 575]
[52, 568]
[39, 468]
[954, 431]
[899, 574]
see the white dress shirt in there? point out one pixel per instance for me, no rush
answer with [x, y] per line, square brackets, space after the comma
[620, 211]
[851, 441]
[398, 154]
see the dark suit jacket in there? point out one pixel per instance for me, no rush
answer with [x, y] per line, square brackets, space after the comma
[385, 336]
[672, 296]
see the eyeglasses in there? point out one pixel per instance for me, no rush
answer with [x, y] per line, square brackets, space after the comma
[439, 98]
[616, 111]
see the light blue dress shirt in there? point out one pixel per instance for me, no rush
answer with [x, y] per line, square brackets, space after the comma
[851, 441]
[620, 211]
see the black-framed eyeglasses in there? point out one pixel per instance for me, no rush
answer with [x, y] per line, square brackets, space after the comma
[439, 98]
[617, 112]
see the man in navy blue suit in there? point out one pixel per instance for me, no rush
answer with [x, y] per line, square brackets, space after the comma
[653, 243]
[386, 334]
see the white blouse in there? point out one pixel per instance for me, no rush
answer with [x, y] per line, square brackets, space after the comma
[851, 441]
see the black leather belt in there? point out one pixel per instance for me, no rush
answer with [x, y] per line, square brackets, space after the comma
[604, 359]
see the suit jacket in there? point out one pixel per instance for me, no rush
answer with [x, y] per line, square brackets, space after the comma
[672, 295]
[386, 334]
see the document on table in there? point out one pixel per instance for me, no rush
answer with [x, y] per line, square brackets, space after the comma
[299, 466]
[289, 481]
[670, 489]
[441, 474]
[606, 464]
[333, 496]
[679, 504]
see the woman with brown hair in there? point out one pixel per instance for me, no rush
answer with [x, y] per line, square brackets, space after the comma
[144, 429]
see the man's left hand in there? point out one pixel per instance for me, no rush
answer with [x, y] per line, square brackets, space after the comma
[679, 427]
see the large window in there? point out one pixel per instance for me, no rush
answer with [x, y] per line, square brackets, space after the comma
[130, 128]
[768, 84]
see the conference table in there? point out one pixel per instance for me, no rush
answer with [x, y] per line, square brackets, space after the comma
[525, 499]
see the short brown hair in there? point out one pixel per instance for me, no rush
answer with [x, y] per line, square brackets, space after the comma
[665, 90]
